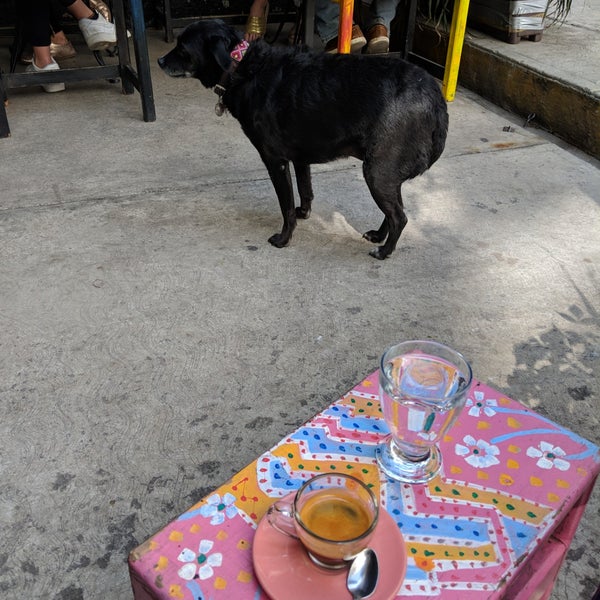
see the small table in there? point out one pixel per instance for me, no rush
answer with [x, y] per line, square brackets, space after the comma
[496, 523]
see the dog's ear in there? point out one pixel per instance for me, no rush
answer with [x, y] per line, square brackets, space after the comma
[223, 43]
[221, 53]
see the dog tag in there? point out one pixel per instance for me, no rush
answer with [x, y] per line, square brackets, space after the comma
[219, 108]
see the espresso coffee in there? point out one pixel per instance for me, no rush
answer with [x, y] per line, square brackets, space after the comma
[335, 514]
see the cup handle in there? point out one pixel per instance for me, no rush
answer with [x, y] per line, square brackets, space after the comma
[280, 516]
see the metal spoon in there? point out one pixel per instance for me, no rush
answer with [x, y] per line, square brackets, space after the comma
[363, 574]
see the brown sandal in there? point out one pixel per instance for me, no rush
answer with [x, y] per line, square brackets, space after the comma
[100, 7]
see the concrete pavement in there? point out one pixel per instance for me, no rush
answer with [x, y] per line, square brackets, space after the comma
[154, 343]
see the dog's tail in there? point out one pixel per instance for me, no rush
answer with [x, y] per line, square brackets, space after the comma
[440, 131]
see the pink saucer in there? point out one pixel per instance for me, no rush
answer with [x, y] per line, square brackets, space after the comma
[286, 573]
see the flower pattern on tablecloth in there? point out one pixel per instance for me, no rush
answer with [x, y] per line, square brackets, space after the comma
[549, 456]
[478, 453]
[205, 561]
[218, 508]
[481, 404]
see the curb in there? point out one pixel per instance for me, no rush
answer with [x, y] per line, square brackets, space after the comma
[565, 110]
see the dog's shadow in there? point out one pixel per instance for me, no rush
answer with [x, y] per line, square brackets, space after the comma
[261, 222]
[342, 207]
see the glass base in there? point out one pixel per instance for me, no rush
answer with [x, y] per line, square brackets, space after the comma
[397, 466]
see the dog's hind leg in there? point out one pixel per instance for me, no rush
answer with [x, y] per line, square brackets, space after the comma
[279, 171]
[394, 222]
[377, 235]
[304, 183]
[386, 191]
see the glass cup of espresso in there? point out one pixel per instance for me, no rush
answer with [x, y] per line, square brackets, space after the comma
[333, 517]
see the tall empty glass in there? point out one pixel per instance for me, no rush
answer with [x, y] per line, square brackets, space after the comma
[423, 387]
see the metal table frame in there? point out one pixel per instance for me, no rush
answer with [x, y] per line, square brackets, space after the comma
[455, 42]
[131, 79]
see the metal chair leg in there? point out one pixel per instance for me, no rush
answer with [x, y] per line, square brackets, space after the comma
[4, 128]
[16, 48]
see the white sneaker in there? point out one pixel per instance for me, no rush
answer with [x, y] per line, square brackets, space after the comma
[53, 66]
[98, 33]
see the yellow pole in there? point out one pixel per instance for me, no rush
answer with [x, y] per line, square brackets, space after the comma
[455, 45]
[345, 26]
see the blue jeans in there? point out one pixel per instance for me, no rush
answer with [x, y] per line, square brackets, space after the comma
[327, 13]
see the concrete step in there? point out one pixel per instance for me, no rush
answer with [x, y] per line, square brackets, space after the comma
[553, 83]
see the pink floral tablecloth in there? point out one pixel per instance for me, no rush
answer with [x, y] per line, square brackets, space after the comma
[509, 477]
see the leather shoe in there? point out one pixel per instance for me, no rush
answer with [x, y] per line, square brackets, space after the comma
[356, 43]
[378, 41]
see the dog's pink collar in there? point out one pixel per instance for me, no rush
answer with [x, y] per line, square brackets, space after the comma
[236, 56]
[238, 52]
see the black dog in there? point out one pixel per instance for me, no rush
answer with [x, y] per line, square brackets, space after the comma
[307, 107]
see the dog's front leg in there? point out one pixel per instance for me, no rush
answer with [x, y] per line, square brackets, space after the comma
[279, 171]
[303, 180]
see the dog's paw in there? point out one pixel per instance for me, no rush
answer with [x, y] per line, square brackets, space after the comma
[378, 253]
[302, 213]
[374, 236]
[278, 240]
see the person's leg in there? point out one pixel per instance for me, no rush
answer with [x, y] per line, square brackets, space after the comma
[56, 13]
[78, 9]
[37, 18]
[327, 17]
[38, 26]
[41, 56]
[327, 14]
[37, 13]
[60, 47]
[380, 12]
